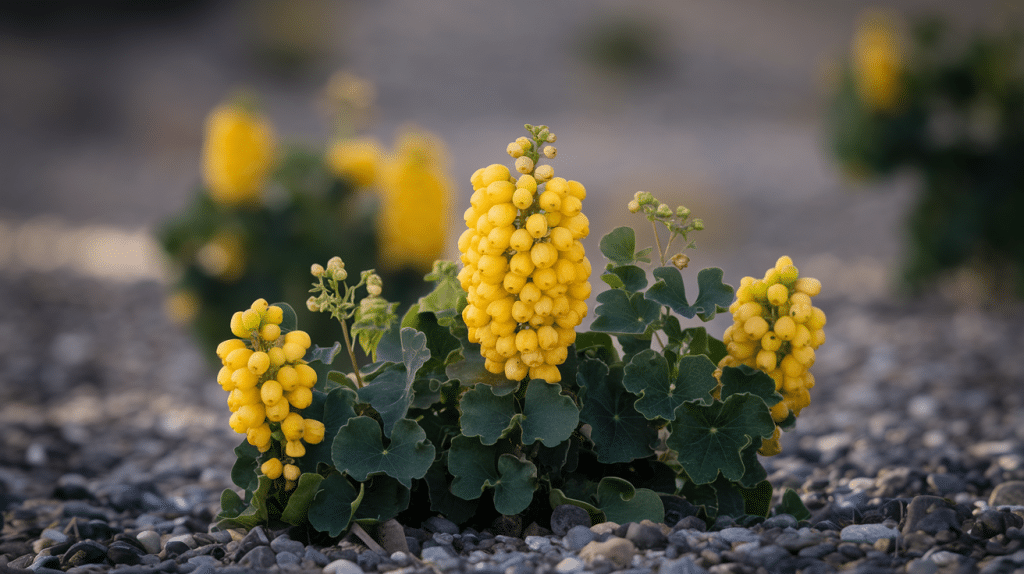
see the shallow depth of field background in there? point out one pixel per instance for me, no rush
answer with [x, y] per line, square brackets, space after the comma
[715, 104]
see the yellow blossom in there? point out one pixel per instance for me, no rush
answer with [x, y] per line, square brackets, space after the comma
[878, 56]
[357, 160]
[238, 154]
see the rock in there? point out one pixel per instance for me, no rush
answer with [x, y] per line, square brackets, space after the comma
[617, 550]
[392, 537]
[286, 544]
[930, 514]
[604, 528]
[286, 559]
[259, 558]
[256, 537]
[368, 560]
[150, 540]
[691, 523]
[1010, 493]
[570, 565]
[120, 552]
[578, 537]
[440, 524]
[565, 516]
[944, 483]
[677, 508]
[84, 552]
[538, 543]
[315, 556]
[780, 521]
[80, 509]
[867, 533]
[734, 535]
[646, 535]
[342, 567]
[683, 565]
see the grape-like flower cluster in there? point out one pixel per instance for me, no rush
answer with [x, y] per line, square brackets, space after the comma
[776, 329]
[525, 271]
[267, 378]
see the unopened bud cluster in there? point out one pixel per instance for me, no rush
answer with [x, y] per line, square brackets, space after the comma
[525, 271]
[776, 329]
[267, 378]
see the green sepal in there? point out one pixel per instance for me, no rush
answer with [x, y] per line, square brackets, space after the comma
[299, 499]
[757, 501]
[334, 504]
[485, 415]
[390, 392]
[620, 433]
[648, 376]
[713, 295]
[370, 326]
[618, 247]
[548, 415]
[620, 312]
[792, 505]
[621, 502]
[473, 465]
[711, 438]
[359, 450]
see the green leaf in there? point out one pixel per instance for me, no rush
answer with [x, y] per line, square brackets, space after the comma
[473, 466]
[333, 505]
[243, 472]
[757, 500]
[628, 277]
[713, 295]
[359, 450]
[469, 370]
[324, 355]
[457, 509]
[295, 512]
[599, 344]
[548, 415]
[447, 296]
[792, 505]
[648, 376]
[744, 379]
[753, 471]
[557, 498]
[623, 503]
[371, 322]
[485, 415]
[444, 347]
[620, 312]
[619, 432]
[618, 246]
[383, 498]
[390, 393]
[711, 438]
[259, 499]
[290, 320]
[231, 505]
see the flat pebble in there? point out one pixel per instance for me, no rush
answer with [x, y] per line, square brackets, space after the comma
[867, 533]
[342, 567]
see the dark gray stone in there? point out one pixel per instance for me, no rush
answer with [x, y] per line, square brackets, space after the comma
[646, 536]
[285, 544]
[1010, 493]
[81, 509]
[440, 524]
[368, 560]
[261, 558]
[121, 552]
[578, 537]
[565, 516]
[84, 552]
[945, 483]
[930, 514]
[683, 565]
[691, 523]
[780, 521]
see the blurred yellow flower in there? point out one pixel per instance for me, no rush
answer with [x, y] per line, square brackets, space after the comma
[223, 257]
[238, 154]
[878, 58]
[416, 194]
[182, 306]
[356, 159]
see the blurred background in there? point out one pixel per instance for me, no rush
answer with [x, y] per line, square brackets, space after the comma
[721, 105]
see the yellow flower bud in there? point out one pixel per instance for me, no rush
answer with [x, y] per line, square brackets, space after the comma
[294, 449]
[258, 363]
[313, 431]
[292, 426]
[524, 164]
[291, 472]
[272, 469]
[300, 397]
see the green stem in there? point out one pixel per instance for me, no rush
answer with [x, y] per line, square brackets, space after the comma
[351, 354]
[657, 240]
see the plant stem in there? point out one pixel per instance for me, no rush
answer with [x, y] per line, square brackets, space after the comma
[351, 354]
[661, 252]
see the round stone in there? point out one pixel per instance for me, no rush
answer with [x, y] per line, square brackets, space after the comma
[1010, 493]
[566, 516]
[150, 541]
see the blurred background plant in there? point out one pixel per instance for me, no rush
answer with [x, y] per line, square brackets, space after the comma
[948, 107]
[265, 212]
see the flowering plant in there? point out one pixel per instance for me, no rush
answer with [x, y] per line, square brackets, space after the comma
[483, 402]
[265, 211]
[952, 112]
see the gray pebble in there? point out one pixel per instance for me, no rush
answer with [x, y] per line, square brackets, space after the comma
[538, 543]
[150, 540]
[733, 535]
[566, 516]
[84, 552]
[578, 536]
[55, 536]
[285, 559]
[780, 521]
[342, 566]
[867, 533]
[315, 556]
[443, 538]
[440, 524]
[818, 551]
[945, 483]
[285, 544]
[186, 539]
[1010, 493]
[930, 514]
[570, 565]
[646, 536]
[368, 560]
[261, 558]
[683, 565]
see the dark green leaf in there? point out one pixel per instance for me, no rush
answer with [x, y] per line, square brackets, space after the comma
[628, 277]
[744, 379]
[473, 466]
[548, 415]
[359, 450]
[447, 296]
[648, 376]
[599, 344]
[295, 512]
[458, 510]
[619, 312]
[792, 505]
[243, 472]
[711, 438]
[757, 500]
[231, 505]
[618, 246]
[324, 355]
[334, 504]
[383, 498]
[623, 503]
[485, 415]
[390, 393]
[714, 295]
[518, 480]
[619, 432]
[753, 471]
[716, 350]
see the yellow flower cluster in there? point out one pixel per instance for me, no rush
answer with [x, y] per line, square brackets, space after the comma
[525, 271]
[238, 154]
[878, 61]
[414, 191]
[266, 378]
[776, 329]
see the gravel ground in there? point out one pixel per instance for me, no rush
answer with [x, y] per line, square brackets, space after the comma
[911, 457]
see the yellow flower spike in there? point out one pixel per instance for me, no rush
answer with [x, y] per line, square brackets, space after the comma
[258, 436]
[251, 415]
[250, 320]
[270, 332]
[244, 379]
[288, 377]
[277, 412]
[293, 352]
[236, 326]
[272, 469]
[225, 347]
[778, 294]
[238, 155]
